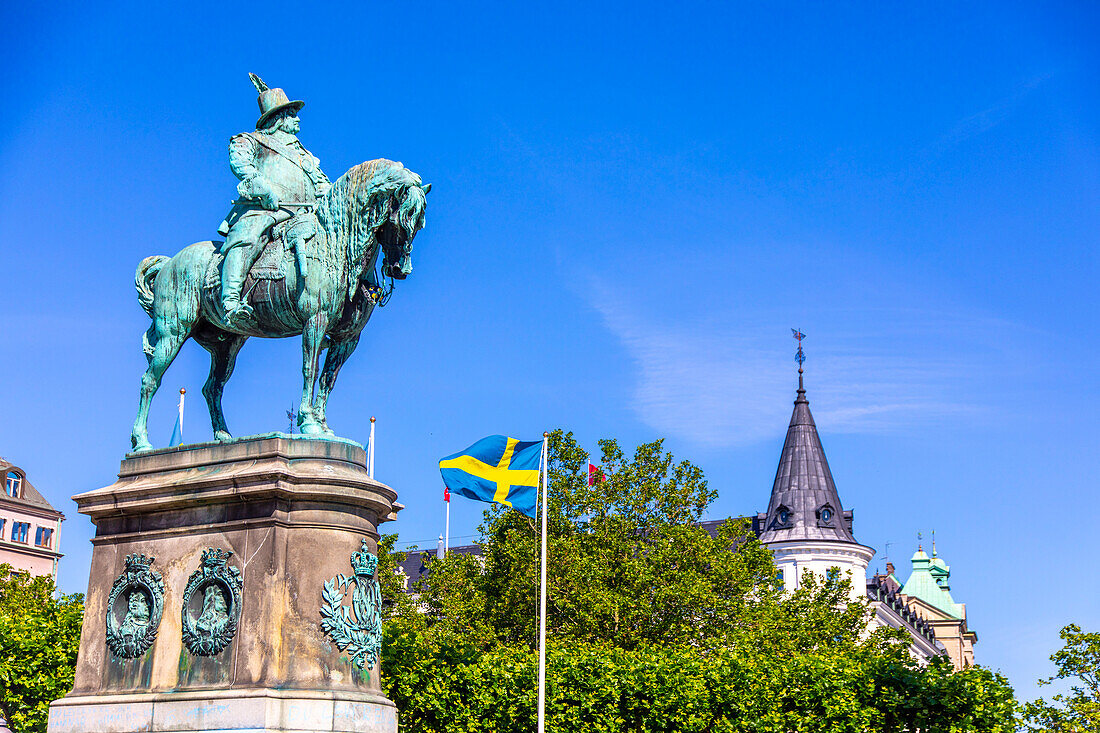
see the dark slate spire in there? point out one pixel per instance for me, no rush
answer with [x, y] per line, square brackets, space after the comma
[804, 503]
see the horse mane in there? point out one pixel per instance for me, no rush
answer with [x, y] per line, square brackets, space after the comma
[360, 201]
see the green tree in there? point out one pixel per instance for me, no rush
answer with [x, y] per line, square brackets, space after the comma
[655, 624]
[1078, 660]
[627, 564]
[39, 638]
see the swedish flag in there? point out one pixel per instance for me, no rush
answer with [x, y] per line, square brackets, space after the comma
[497, 468]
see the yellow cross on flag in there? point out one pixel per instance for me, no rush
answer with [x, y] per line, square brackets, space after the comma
[496, 469]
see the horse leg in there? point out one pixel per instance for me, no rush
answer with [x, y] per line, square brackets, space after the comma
[170, 335]
[223, 348]
[338, 353]
[313, 335]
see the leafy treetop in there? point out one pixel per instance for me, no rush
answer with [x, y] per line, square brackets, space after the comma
[39, 638]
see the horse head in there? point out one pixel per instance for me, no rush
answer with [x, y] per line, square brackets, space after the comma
[406, 218]
[378, 202]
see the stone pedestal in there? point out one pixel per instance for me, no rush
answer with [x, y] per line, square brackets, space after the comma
[292, 511]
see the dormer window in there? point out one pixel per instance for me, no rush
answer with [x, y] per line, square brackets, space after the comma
[825, 515]
[783, 518]
[13, 484]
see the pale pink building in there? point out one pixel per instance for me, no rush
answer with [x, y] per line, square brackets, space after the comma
[30, 529]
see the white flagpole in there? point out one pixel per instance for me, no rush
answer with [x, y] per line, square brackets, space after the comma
[182, 393]
[370, 450]
[447, 541]
[542, 596]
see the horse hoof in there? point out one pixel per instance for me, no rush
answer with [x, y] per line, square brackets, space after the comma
[311, 428]
[223, 436]
[140, 445]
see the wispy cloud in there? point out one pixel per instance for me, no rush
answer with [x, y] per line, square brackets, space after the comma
[733, 383]
[984, 120]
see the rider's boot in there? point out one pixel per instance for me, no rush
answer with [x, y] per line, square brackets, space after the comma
[237, 262]
[240, 250]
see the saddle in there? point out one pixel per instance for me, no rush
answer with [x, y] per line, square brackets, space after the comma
[274, 258]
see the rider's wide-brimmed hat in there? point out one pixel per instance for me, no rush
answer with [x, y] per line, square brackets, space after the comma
[272, 101]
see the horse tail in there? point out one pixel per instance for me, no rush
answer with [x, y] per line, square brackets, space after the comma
[144, 279]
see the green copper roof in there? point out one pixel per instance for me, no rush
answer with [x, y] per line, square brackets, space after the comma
[929, 582]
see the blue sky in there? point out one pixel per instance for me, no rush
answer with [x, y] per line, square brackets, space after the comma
[631, 205]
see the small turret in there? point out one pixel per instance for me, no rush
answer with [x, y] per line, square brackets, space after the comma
[806, 527]
[929, 583]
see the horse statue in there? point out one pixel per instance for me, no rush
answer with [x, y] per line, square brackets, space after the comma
[324, 287]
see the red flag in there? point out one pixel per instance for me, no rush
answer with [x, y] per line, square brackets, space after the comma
[446, 494]
[595, 475]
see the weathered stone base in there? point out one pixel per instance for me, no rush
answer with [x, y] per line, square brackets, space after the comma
[288, 514]
[225, 711]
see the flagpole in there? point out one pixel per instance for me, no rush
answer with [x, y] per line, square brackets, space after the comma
[182, 393]
[370, 450]
[542, 595]
[447, 530]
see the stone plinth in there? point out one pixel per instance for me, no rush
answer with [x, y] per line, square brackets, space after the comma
[292, 511]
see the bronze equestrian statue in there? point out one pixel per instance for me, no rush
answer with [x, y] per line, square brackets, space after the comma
[301, 256]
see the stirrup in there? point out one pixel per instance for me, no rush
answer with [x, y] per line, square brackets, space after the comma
[242, 311]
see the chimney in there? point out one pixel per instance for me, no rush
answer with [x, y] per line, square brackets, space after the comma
[889, 568]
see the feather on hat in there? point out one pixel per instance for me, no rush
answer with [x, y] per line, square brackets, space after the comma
[271, 101]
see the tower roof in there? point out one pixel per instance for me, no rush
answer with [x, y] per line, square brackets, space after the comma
[929, 582]
[804, 503]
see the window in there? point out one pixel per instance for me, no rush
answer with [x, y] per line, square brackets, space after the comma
[783, 517]
[19, 531]
[13, 484]
[825, 516]
[43, 537]
[2, 523]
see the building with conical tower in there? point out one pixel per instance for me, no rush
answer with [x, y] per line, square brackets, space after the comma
[808, 530]
[806, 526]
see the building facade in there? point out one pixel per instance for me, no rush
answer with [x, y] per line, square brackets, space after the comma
[808, 530]
[30, 528]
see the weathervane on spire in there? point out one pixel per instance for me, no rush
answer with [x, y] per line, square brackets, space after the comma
[800, 355]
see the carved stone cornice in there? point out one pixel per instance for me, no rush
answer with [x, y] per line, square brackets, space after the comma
[273, 478]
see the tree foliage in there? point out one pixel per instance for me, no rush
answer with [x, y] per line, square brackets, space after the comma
[39, 638]
[655, 624]
[1079, 710]
[603, 689]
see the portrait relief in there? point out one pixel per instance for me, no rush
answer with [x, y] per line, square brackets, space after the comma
[211, 604]
[134, 608]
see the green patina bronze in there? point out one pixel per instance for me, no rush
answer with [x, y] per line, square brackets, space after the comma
[301, 256]
[358, 634]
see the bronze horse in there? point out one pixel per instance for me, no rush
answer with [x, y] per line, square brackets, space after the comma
[326, 291]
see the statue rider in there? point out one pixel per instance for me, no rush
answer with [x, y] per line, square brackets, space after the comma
[280, 179]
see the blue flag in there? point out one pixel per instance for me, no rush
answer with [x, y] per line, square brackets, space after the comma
[496, 469]
[177, 434]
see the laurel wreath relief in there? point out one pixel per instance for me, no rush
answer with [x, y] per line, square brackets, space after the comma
[360, 636]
